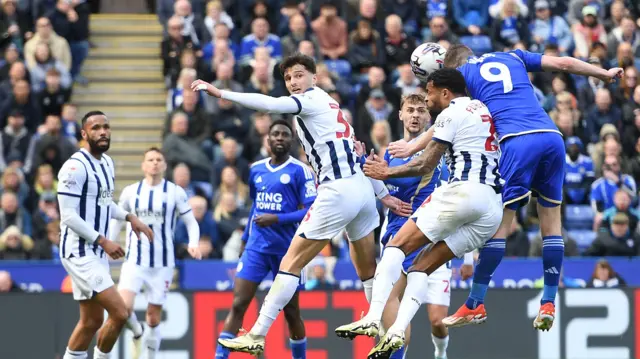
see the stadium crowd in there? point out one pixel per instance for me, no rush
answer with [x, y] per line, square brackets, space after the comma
[363, 49]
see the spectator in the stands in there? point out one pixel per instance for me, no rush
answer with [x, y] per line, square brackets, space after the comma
[45, 62]
[407, 11]
[253, 142]
[44, 182]
[376, 109]
[631, 136]
[229, 217]
[11, 55]
[497, 6]
[259, 9]
[575, 13]
[605, 277]
[297, 32]
[15, 25]
[70, 126]
[587, 92]
[231, 122]
[16, 140]
[472, 16]
[13, 180]
[439, 31]
[626, 32]
[11, 214]
[230, 157]
[365, 48]
[216, 15]
[16, 72]
[193, 26]
[602, 112]
[262, 80]
[172, 47]
[517, 241]
[438, 8]
[621, 204]
[332, 32]
[45, 213]
[231, 183]
[222, 33]
[185, 79]
[224, 79]
[603, 189]
[629, 109]
[180, 148]
[259, 37]
[208, 227]
[331, 82]
[57, 44]
[14, 245]
[7, 284]
[49, 248]
[53, 96]
[617, 11]
[378, 80]
[588, 31]
[71, 21]
[549, 29]
[50, 133]
[510, 28]
[623, 94]
[380, 137]
[199, 122]
[579, 173]
[398, 46]
[21, 99]
[619, 241]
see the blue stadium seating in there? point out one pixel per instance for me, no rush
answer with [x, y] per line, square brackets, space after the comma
[340, 67]
[578, 217]
[583, 238]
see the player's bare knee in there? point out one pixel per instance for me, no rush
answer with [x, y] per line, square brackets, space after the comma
[154, 315]
[92, 323]
[119, 315]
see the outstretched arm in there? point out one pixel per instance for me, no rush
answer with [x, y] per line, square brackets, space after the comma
[402, 149]
[579, 67]
[425, 163]
[254, 101]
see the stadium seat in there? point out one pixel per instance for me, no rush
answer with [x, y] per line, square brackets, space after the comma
[340, 67]
[578, 217]
[480, 44]
[583, 238]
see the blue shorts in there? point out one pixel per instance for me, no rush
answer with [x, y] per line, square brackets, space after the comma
[255, 266]
[532, 163]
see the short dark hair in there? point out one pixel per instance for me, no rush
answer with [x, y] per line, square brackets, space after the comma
[450, 79]
[91, 114]
[414, 98]
[298, 59]
[153, 149]
[457, 55]
[283, 123]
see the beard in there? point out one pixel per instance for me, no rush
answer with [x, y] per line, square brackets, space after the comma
[99, 147]
[280, 151]
[434, 114]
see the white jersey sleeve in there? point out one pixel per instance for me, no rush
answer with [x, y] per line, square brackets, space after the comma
[308, 106]
[260, 102]
[182, 201]
[72, 179]
[446, 127]
[124, 203]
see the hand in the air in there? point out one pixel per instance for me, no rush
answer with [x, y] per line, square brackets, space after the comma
[199, 85]
[397, 206]
[375, 167]
[400, 149]
[613, 75]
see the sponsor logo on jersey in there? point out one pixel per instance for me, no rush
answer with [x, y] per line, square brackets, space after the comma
[268, 201]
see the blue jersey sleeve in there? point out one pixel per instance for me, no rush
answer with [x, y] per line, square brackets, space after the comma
[306, 186]
[596, 193]
[387, 156]
[532, 61]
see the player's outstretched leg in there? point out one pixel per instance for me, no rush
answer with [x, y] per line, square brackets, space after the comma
[473, 311]
[552, 257]
[390, 313]
[298, 336]
[112, 302]
[439, 332]
[243, 292]
[91, 318]
[132, 323]
[153, 338]
[300, 253]
[388, 271]
[414, 296]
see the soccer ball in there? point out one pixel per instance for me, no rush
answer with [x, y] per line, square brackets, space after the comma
[426, 59]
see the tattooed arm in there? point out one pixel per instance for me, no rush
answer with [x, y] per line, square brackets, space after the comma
[423, 164]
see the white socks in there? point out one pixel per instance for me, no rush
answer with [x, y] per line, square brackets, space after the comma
[73, 354]
[414, 296]
[440, 344]
[367, 285]
[153, 341]
[283, 289]
[134, 325]
[97, 354]
[387, 274]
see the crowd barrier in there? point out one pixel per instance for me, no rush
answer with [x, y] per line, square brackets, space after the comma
[591, 323]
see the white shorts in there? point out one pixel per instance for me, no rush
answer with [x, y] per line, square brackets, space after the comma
[439, 290]
[89, 275]
[346, 203]
[155, 281]
[463, 214]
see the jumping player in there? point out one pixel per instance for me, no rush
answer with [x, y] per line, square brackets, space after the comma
[457, 217]
[282, 189]
[414, 116]
[157, 202]
[533, 158]
[85, 192]
[345, 200]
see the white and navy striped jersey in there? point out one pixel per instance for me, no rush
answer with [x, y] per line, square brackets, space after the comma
[467, 128]
[325, 135]
[158, 207]
[85, 185]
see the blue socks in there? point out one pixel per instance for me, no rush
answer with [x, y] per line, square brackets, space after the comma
[222, 352]
[552, 255]
[399, 354]
[490, 256]
[298, 348]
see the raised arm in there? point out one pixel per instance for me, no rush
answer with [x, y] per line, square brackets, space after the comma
[402, 149]
[425, 163]
[254, 101]
[579, 67]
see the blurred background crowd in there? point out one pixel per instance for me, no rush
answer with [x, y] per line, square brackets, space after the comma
[363, 49]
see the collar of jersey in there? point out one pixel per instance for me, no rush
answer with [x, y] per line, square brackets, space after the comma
[276, 169]
[91, 156]
[309, 89]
